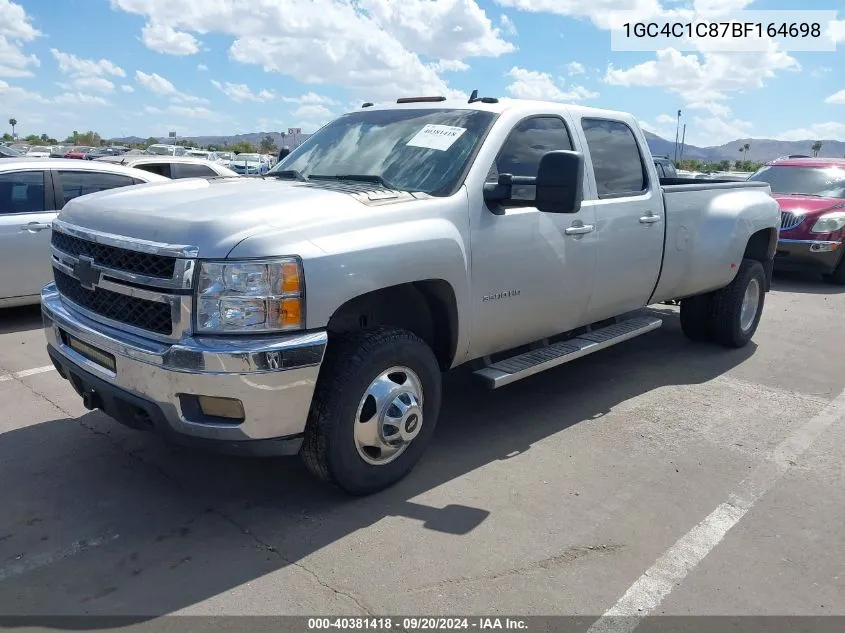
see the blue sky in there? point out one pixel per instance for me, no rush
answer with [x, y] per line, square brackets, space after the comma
[145, 67]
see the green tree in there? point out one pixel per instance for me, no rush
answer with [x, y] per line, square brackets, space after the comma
[243, 147]
[13, 122]
[151, 141]
[88, 138]
[7, 136]
[268, 145]
[33, 138]
[817, 147]
[45, 138]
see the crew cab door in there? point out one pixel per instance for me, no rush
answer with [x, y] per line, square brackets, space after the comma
[627, 208]
[27, 211]
[532, 272]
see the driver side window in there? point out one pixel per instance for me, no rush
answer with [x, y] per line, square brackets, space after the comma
[525, 146]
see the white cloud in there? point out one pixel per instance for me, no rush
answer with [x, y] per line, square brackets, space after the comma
[127, 88]
[155, 83]
[371, 47]
[186, 98]
[448, 65]
[713, 107]
[837, 98]
[72, 65]
[830, 131]
[310, 98]
[16, 94]
[15, 23]
[194, 113]
[836, 29]
[665, 118]
[821, 71]
[597, 11]
[449, 28]
[98, 84]
[716, 131]
[530, 84]
[202, 67]
[165, 39]
[312, 112]
[575, 68]
[705, 79]
[507, 24]
[242, 92]
[77, 98]
[185, 111]
[13, 61]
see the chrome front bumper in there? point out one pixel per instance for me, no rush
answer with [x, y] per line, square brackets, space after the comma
[154, 385]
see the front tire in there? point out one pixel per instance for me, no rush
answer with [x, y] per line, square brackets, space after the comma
[374, 410]
[837, 277]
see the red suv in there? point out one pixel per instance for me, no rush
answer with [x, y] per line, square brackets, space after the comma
[811, 195]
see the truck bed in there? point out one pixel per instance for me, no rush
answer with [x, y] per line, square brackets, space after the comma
[702, 247]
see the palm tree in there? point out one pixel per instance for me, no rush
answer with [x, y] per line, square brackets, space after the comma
[817, 147]
[13, 122]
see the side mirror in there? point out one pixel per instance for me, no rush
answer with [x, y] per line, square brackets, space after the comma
[560, 179]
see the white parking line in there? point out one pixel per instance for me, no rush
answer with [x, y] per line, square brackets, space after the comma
[26, 372]
[678, 561]
[32, 563]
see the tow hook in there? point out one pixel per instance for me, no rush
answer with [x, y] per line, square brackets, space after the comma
[91, 400]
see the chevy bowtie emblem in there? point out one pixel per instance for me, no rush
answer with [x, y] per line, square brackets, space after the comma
[85, 272]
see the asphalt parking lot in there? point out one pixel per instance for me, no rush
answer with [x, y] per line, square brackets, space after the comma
[660, 476]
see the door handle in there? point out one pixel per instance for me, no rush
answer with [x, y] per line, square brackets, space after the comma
[579, 230]
[34, 227]
[649, 219]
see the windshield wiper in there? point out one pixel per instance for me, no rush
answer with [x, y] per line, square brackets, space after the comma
[288, 173]
[357, 177]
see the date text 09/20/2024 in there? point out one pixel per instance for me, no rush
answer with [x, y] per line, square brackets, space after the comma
[416, 623]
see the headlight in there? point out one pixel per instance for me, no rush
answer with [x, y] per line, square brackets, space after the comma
[250, 296]
[829, 222]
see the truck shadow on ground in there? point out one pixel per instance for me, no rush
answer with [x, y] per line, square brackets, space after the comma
[20, 319]
[176, 528]
[804, 283]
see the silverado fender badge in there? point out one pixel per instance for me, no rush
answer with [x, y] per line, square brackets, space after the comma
[498, 296]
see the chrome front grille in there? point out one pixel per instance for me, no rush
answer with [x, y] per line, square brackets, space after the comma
[789, 220]
[138, 286]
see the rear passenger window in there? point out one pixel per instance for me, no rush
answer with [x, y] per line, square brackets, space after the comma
[525, 146]
[617, 163]
[194, 171]
[22, 192]
[162, 169]
[80, 183]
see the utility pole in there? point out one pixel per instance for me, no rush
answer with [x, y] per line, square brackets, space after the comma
[677, 131]
[683, 136]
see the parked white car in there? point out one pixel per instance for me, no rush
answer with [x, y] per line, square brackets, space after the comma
[32, 192]
[173, 167]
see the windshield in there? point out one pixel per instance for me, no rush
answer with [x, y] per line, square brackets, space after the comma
[827, 182]
[198, 154]
[414, 150]
[247, 157]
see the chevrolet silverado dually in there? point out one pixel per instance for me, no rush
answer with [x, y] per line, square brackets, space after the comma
[313, 311]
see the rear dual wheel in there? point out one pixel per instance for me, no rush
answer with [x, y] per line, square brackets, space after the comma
[728, 316]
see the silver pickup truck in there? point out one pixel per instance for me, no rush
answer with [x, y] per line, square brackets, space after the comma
[314, 310]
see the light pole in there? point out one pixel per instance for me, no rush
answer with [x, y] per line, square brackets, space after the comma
[677, 132]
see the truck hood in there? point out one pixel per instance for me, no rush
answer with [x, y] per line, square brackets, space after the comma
[807, 205]
[215, 215]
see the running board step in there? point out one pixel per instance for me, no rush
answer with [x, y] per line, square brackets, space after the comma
[533, 362]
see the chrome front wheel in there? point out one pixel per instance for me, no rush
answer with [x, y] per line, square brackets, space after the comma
[389, 416]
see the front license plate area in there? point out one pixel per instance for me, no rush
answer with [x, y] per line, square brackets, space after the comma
[95, 355]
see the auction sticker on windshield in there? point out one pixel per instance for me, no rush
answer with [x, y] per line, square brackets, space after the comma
[440, 137]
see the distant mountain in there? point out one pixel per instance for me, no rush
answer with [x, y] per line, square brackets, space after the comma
[220, 141]
[759, 149]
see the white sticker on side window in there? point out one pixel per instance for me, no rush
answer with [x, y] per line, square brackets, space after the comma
[439, 137]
